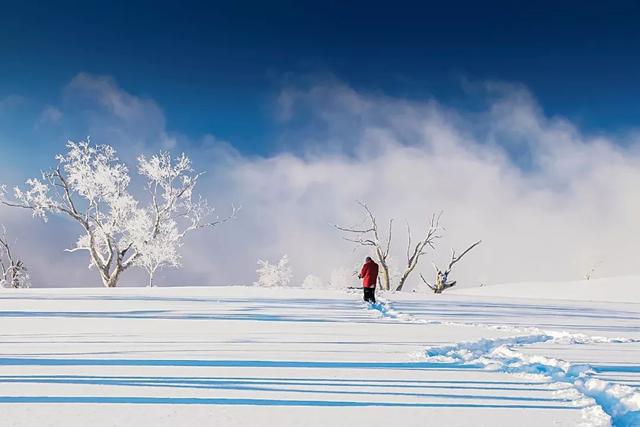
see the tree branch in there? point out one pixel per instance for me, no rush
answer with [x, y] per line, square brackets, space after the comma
[427, 283]
[455, 259]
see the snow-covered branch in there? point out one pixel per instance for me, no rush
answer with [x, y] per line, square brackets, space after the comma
[91, 186]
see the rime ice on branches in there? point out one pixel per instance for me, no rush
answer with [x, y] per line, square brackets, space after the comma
[91, 186]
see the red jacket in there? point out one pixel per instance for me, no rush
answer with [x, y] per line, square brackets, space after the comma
[369, 274]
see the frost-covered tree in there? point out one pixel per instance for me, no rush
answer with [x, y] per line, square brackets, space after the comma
[270, 275]
[90, 185]
[13, 273]
[162, 250]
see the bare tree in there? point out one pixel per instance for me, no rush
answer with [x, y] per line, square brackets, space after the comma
[590, 273]
[90, 186]
[442, 277]
[369, 235]
[14, 273]
[415, 252]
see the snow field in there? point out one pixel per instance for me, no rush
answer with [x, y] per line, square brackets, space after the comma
[604, 402]
[247, 356]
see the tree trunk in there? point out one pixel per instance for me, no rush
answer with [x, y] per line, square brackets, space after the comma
[112, 279]
[440, 283]
[109, 279]
[403, 279]
[384, 282]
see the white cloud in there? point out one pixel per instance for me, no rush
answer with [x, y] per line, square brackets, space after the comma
[548, 200]
[570, 205]
[12, 101]
[116, 116]
[50, 115]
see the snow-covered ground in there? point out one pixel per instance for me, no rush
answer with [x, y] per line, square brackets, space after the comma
[239, 356]
[615, 289]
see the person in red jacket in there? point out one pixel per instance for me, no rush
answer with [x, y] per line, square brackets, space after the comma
[369, 276]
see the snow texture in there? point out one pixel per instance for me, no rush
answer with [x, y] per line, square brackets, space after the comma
[290, 356]
[604, 403]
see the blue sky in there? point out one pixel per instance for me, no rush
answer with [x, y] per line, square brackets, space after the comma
[517, 120]
[216, 68]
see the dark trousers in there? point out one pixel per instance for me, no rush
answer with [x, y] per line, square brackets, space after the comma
[370, 294]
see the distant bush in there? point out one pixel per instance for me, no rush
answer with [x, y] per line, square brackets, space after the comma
[272, 275]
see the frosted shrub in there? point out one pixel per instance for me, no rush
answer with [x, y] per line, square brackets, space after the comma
[270, 275]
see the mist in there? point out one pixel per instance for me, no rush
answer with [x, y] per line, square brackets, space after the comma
[549, 200]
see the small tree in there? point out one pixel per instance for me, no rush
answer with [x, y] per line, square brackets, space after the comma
[162, 252]
[14, 273]
[271, 275]
[91, 186]
[442, 277]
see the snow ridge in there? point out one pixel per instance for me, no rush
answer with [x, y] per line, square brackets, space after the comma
[604, 403]
[617, 405]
